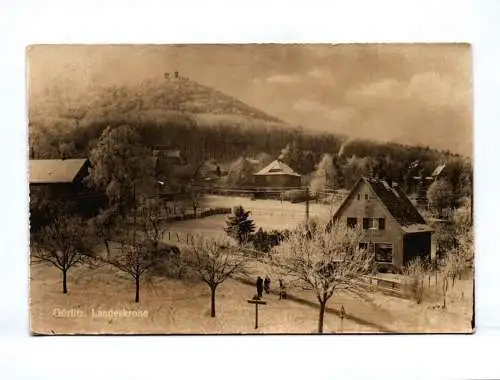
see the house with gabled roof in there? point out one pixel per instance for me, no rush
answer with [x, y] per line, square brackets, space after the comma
[277, 174]
[61, 181]
[392, 225]
[69, 171]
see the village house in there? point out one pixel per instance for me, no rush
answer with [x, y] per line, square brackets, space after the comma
[60, 181]
[392, 225]
[64, 175]
[277, 174]
[168, 156]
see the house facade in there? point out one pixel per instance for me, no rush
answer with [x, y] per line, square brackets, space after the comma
[277, 174]
[392, 226]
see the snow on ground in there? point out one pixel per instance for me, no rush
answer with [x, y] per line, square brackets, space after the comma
[266, 213]
[273, 214]
[393, 314]
[172, 307]
[180, 307]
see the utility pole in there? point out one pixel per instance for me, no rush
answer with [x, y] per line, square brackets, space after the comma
[307, 204]
[134, 208]
[472, 199]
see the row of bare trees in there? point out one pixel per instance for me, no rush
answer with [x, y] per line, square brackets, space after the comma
[325, 260]
[68, 242]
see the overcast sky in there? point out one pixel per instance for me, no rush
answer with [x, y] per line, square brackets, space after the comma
[417, 94]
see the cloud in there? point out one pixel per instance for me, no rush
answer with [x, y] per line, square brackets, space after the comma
[318, 73]
[429, 88]
[284, 78]
[330, 115]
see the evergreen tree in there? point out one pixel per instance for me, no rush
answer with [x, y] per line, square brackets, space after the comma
[239, 225]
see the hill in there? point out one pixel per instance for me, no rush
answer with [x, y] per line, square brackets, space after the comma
[167, 94]
[163, 109]
[202, 123]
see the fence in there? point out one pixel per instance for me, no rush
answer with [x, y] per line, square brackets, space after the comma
[202, 214]
[390, 287]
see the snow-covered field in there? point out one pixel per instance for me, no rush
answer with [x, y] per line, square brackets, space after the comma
[169, 306]
[268, 214]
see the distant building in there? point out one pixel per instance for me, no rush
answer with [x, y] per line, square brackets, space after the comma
[59, 173]
[168, 156]
[277, 174]
[423, 183]
[392, 225]
[211, 170]
[61, 181]
[438, 172]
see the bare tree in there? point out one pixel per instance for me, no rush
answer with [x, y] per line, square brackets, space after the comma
[152, 221]
[64, 243]
[135, 258]
[215, 260]
[107, 224]
[141, 252]
[324, 259]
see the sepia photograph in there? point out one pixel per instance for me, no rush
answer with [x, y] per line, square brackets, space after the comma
[251, 189]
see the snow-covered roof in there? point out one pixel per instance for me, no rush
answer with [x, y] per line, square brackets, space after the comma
[55, 171]
[278, 167]
[438, 170]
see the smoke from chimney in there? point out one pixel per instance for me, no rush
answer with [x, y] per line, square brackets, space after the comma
[343, 146]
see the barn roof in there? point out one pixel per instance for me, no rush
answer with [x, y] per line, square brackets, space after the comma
[278, 167]
[55, 171]
[397, 204]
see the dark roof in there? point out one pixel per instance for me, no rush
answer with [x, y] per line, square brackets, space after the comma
[396, 203]
[55, 171]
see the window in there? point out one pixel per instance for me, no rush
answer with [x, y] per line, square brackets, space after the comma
[352, 222]
[381, 223]
[363, 245]
[366, 197]
[368, 223]
[359, 197]
[383, 253]
[374, 223]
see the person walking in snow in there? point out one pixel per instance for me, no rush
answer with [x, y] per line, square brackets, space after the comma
[267, 284]
[260, 283]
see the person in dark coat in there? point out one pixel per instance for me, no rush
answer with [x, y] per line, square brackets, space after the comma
[260, 286]
[282, 290]
[267, 284]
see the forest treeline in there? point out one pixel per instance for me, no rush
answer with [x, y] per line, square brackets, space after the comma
[206, 124]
